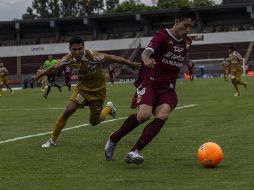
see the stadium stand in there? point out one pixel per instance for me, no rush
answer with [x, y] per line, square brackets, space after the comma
[127, 34]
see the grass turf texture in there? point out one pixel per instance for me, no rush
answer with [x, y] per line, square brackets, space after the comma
[170, 160]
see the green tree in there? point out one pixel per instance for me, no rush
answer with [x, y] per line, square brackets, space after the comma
[131, 6]
[62, 8]
[29, 14]
[167, 4]
[41, 8]
[54, 8]
[202, 3]
[111, 4]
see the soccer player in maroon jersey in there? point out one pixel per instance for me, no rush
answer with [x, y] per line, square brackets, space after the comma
[156, 95]
[67, 76]
[190, 69]
[111, 73]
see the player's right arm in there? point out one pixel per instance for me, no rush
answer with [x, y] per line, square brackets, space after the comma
[146, 58]
[51, 69]
[156, 42]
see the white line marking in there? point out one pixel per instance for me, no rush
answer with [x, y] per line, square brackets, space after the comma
[75, 127]
[35, 109]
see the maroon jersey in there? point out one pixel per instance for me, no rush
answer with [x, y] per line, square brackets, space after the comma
[67, 71]
[111, 71]
[169, 53]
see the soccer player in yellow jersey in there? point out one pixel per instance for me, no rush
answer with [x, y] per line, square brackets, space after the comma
[225, 65]
[91, 87]
[41, 80]
[3, 78]
[236, 62]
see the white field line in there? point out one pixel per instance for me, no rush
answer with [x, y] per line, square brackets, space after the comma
[35, 109]
[75, 127]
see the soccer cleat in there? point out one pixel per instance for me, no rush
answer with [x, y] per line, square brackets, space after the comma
[48, 144]
[237, 94]
[113, 109]
[60, 89]
[134, 157]
[109, 149]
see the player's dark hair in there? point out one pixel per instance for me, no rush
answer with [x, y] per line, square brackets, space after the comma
[76, 40]
[232, 48]
[185, 13]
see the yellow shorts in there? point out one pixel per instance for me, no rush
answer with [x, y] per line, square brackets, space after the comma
[3, 80]
[93, 99]
[236, 74]
[41, 80]
[225, 71]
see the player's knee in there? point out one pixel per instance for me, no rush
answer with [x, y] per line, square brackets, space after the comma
[162, 115]
[142, 117]
[233, 80]
[67, 113]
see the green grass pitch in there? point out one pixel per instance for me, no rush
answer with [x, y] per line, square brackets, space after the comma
[77, 161]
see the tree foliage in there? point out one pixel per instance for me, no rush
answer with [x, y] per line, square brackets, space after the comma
[111, 4]
[66, 8]
[165, 4]
[62, 8]
[131, 6]
[202, 3]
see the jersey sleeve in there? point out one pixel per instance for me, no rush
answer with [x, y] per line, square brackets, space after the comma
[156, 41]
[97, 56]
[239, 56]
[66, 60]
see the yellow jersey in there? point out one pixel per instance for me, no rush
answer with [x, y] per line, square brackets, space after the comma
[236, 60]
[88, 69]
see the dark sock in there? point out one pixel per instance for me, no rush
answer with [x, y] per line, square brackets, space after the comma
[149, 132]
[130, 123]
[48, 90]
[56, 85]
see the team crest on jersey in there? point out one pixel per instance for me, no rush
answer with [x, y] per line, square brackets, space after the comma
[99, 58]
[178, 49]
[141, 91]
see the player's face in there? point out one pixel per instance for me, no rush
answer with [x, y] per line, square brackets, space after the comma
[77, 50]
[50, 57]
[183, 27]
[230, 51]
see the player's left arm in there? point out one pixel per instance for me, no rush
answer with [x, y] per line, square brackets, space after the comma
[51, 69]
[121, 60]
[6, 72]
[240, 58]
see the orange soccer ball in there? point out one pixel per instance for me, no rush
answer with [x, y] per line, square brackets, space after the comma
[210, 154]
